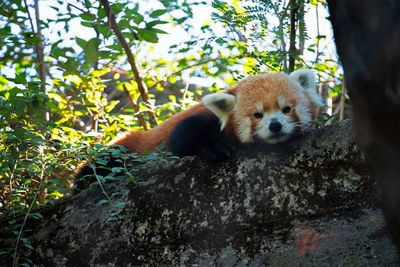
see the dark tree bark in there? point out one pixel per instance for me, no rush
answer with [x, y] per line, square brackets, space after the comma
[293, 25]
[367, 34]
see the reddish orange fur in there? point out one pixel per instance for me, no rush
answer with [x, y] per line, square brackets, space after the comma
[139, 142]
[265, 89]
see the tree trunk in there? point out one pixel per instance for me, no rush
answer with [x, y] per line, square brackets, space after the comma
[367, 34]
[292, 41]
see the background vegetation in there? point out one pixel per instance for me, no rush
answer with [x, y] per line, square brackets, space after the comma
[66, 67]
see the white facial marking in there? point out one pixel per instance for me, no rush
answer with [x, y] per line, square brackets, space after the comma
[259, 106]
[281, 102]
[245, 130]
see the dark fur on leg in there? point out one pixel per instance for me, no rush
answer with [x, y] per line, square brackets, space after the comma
[86, 174]
[200, 135]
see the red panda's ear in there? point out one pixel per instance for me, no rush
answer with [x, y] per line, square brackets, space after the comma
[220, 104]
[306, 79]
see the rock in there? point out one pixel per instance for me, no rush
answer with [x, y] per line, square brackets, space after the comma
[310, 201]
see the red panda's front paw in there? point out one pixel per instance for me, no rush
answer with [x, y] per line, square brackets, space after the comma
[220, 150]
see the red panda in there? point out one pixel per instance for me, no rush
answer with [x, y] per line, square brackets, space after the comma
[267, 107]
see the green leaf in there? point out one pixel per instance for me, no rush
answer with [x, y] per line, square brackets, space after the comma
[138, 18]
[155, 22]
[55, 8]
[87, 24]
[91, 50]
[28, 246]
[101, 202]
[98, 73]
[86, 16]
[56, 96]
[54, 181]
[158, 31]
[158, 13]
[101, 13]
[147, 35]
[81, 42]
[117, 8]
[36, 215]
[111, 219]
[111, 105]
[50, 201]
[115, 47]
[104, 30]
[20, 79]
[123, 24]
[52, 106]
[120, 204]
[127, 216]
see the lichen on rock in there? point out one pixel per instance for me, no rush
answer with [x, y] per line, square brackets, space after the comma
[310, 201]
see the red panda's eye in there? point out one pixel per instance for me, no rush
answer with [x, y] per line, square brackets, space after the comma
[286, 109]
[258, 115]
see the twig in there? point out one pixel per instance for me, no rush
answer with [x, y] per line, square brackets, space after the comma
[26, 216]
[95, 120]
[188, 67]
[102, 188]
[11, 189]
[29, 16]
[342, 98]
[135, 107]
[184, 95]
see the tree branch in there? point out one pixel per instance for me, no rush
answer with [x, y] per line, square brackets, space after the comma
[131, 59]
[40, 49]
[42, 68]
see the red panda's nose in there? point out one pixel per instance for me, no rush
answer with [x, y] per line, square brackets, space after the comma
[275, 126]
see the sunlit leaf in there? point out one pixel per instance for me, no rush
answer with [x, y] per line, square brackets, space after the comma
[157, 13]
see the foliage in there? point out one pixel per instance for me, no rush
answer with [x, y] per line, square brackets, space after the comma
[129, 168]
[61, 65]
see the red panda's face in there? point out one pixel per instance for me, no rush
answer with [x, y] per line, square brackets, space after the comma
[268, 107]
